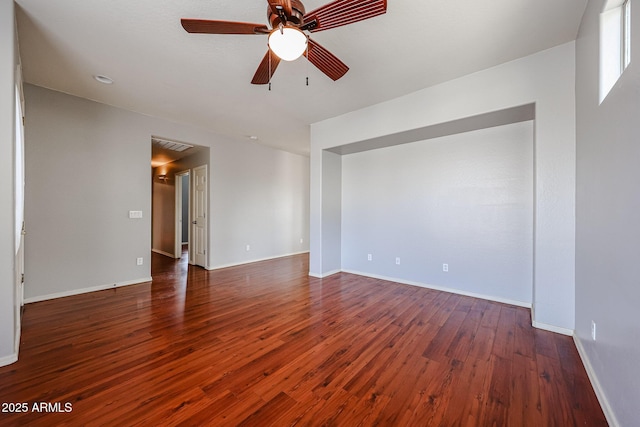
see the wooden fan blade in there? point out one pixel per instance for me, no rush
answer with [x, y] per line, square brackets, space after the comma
[264, 72]
[325, 61]
[222, 27]
[343, 12]
[284, 4]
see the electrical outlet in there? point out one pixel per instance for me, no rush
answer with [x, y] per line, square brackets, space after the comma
[139, 261]
[248, 248]
[445, 267]
[369, 257]
[397, 261]
[593, 330]
[301, 240]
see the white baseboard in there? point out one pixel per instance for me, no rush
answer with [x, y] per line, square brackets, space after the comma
[8, 360]
[547, 327]
[235, 264]
[539, 325]
[602, 398]
[158, 251]
[86, 290]
[551, 328]
[444, 289]
[323, 275]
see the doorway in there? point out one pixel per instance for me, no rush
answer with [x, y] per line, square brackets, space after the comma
[183, 193]
[179, 197]
[191, 189]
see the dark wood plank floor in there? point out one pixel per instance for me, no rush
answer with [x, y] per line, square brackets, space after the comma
[264, 344]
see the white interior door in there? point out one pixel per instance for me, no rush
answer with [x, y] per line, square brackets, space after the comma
[19, 210]
[199, 222]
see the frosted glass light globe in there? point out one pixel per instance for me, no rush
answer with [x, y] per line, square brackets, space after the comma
[287, 43]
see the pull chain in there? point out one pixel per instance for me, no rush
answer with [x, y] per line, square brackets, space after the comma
[269, 52]
[307, 61]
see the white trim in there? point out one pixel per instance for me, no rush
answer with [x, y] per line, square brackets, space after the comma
[8, 360]
[19, 211]
[86, 290]
[18, 333]
[547, 327]
[602, 398]
[612, 4]
[219, 267]
[444, 289]
[551, 328]
[158, 251]
[538, 325]
[327, 274]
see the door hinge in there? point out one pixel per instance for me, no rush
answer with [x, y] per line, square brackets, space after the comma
[22, 278]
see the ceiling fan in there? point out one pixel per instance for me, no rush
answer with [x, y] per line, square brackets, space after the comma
[287, 23]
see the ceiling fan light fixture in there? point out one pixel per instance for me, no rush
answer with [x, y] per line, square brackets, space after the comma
[287, 43]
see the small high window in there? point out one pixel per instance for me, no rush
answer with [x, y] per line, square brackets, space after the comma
[615, 43]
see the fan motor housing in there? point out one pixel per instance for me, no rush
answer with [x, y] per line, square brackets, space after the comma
[296, 18]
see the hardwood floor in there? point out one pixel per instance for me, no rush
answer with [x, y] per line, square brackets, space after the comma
[264, 344]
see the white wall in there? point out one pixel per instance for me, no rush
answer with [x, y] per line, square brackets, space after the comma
[260, 198]
[546, 79]
[88, 164]
[8, 52]
[465, 200]
[607, 227]
[332, 209]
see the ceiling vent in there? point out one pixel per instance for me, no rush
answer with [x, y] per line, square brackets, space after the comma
[168, 144]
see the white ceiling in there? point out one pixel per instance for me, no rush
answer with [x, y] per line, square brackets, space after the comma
[204, 80]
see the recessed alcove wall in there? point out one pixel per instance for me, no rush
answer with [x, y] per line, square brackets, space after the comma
[539, 87]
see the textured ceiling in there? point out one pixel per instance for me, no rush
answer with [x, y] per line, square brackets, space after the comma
[204, 80]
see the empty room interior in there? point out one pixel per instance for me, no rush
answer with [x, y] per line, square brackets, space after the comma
[420, 217]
